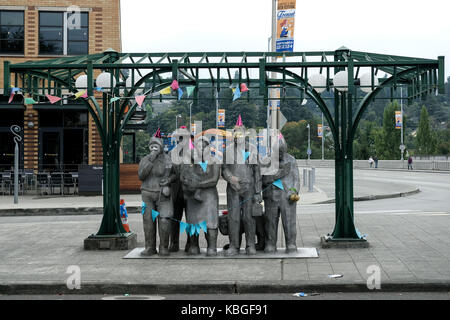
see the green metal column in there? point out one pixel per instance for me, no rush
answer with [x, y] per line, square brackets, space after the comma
[111, 222]
[344, 228]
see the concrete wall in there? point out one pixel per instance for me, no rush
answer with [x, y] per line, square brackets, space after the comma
[382, 164]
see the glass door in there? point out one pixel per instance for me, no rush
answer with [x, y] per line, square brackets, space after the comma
[51, 156]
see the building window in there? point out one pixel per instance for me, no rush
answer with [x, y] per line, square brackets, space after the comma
[58, 36]
[11, 32]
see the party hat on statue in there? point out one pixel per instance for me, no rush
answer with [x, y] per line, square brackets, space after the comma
[239, 122]
[157, 133]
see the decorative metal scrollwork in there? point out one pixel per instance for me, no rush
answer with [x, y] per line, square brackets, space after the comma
[15, 129]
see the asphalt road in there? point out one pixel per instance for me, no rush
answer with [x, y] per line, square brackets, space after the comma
[226, 297]
[434, 198]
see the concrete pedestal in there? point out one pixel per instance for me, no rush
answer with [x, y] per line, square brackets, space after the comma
[126, 241]
[329, 242]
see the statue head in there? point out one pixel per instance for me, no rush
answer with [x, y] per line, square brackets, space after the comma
[156, 145]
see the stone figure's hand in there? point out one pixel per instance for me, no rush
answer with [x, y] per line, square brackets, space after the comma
[164, 182]
[294, 197]
[153, 155]
[235, 183]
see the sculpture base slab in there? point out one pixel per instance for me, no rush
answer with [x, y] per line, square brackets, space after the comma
[328, 242]
[301, 253]
[124, 241]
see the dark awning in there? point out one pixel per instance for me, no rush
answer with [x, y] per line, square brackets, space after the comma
[73, 106]
[12, 107]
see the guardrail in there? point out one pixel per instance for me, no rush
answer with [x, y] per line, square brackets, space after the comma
[382, 164]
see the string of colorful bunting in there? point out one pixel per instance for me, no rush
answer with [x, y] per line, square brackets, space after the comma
[189, 228]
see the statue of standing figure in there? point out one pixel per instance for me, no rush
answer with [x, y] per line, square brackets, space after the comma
[282, 201]
[243, 191]
[202, 199]
[156, 173]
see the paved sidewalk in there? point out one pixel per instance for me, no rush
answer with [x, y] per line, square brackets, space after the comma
[412, 251]
[364, 189]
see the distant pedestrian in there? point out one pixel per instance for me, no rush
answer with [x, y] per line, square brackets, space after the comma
[370, 161]
[376, 161]
[410, 161]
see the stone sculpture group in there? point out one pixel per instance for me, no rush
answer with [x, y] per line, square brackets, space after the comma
[171, 189]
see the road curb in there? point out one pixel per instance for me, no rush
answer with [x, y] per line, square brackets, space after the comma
[85, 211]
[376, 197]
[218, 288]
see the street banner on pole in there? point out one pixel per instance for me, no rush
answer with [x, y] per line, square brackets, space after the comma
[285, 25]
[193, 131]
[275, 93]
[398, 120]
[221, 118]
[319, 131]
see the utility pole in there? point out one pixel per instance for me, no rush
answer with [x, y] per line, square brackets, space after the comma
[274, 59]
[323, 139]
[309, 142]
[402, 146]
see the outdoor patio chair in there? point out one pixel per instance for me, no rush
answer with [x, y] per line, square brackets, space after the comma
[56, 181]
[6, 182]
[69, 182]
[42, 181]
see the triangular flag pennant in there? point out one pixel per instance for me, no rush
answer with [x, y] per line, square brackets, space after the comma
[197, 229]
[233, 89]
[191, 145]
[245, 154]
[180, 93]
[191, 229]
[52, 99]
[144, 206]
[140, 99]
[190, 90]
[239, 122]
[237, 94]
[11, 97]
[84, 95]
[98, 88]
[80, 94]
[183, 226]
[114, 99]
[204, 165]
[165, 90]
[278, 184]
[29, 101]
[280, 136]
[174, 85]
[157, 133]
[244, 87]
[204, 226]
[14, 89]
[154, 214]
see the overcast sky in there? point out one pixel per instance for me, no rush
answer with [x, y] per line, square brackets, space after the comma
[400, 27]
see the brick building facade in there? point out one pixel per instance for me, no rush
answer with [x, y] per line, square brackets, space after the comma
[41, 29]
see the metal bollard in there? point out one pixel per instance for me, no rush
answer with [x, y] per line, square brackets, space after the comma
[305, 177]
[313, 175]
[311, 182]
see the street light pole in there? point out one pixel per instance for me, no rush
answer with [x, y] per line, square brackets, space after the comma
[190, 117]
[176, 121]
[323, 138]
[15, 129]
[309, 142]
[402, 146]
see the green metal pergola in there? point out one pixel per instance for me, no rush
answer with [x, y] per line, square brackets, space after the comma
[259, 70]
